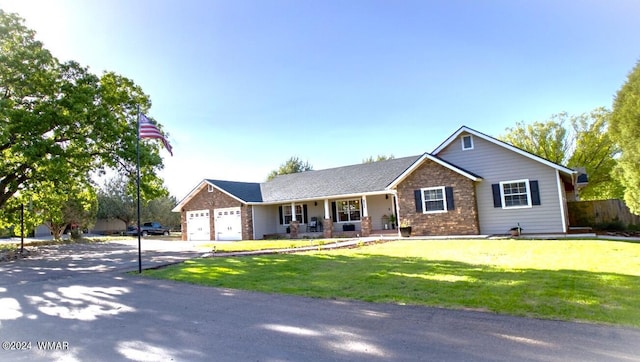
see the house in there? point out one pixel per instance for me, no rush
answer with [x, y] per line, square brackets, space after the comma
[469, 185]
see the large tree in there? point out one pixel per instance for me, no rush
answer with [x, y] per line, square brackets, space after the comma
[55, 204]
[159, 210]
[75, 205]
[597, 153]
[292, 165]
[59, 122]
[625, 130]
[548, 139]
[115, 201]
[574, 141]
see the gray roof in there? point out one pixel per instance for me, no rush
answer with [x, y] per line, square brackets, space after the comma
[583, 178]
[246, 191]
[346, 180]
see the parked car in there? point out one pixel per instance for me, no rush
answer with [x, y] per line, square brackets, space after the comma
[149, 228]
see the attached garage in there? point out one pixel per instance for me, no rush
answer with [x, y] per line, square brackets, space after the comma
[228, 223]
[198, 225]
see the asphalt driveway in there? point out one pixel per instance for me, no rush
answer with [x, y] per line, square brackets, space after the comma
[80, 299]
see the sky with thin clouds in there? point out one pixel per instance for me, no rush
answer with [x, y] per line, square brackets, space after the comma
[242, 85]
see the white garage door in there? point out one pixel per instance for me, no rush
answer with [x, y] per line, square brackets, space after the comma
[228, 223]
[198, 225]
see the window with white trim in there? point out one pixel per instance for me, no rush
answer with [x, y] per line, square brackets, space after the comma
[467, 142]
[348, 210]
[434, 200]
[515, 194]
[286, 213]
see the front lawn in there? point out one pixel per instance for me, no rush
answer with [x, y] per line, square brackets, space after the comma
[252, 245]
[588, 280]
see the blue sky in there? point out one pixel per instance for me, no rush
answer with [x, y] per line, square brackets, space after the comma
[241, 86]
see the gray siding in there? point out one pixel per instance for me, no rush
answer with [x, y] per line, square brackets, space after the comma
[263, 224]
[495, 164]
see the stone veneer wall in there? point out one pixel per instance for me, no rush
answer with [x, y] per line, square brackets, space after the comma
[205, 200]
[463, 220]
[327, 228]
[365, 226]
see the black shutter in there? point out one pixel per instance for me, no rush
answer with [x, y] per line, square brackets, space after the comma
[281, 216]
[497, 200]
[535, 192]
[304, 214]
[449, 192]
[333, 211]
[417, 194]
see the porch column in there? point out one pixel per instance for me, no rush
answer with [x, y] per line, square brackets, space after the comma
[294, 225]
[293, 211]
[327, 223]
[365, 222]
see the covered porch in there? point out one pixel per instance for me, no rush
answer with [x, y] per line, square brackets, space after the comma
[344, 216]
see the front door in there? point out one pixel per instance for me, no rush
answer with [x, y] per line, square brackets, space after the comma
[228, 223]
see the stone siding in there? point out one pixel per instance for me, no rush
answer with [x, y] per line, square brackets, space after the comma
[327, 228]
[463, 220]
[365, 226]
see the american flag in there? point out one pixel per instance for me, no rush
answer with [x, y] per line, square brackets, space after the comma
[149, 130]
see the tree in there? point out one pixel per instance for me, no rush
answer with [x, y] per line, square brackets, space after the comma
[77, 207]
[292, 165]
[58, 205]
[60, 123]
[548, 140]
[574, 141]
[160, 210]
[114, 202]
[597, 153]
[625, 131]
[370, 159]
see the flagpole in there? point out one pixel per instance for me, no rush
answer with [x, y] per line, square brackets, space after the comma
[138, 189]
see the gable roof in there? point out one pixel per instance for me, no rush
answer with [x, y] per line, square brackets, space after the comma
[438, 160]
[365, 178]
[241, 191]
[508, 146]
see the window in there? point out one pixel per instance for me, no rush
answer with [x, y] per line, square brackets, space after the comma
[433, 199]
[286, 213]
[348, 210]
[210, 188]
[467, 142]
[515, 193]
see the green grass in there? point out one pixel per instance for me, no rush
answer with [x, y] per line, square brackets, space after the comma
[585, 280]
[253, 245]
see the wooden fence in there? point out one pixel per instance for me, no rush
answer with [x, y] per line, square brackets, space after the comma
[601, 213]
